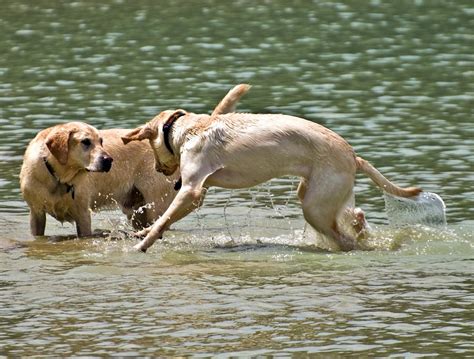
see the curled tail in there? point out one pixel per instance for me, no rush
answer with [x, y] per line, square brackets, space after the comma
[230, 100]
[382, 182]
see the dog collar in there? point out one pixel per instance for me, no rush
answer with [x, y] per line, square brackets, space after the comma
[167, 129]
[63, 187]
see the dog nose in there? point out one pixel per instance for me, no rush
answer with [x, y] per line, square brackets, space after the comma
[106, 163]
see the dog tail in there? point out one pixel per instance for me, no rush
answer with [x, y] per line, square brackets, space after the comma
[230, 100]
[382, 182]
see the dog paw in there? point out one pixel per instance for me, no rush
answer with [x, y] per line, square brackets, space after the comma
[140, 248]
[347, 244]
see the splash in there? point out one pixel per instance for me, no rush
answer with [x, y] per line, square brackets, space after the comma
[425, 209]
[257, 217]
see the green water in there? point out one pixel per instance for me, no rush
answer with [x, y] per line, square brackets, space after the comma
[237, 278]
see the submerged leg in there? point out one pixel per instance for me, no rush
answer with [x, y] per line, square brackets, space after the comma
[323, 202]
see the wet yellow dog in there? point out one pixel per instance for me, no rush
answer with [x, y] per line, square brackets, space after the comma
[73, 168]
[239, 150]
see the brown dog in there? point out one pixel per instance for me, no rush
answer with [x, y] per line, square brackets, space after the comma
[63, 174]
[67, 170]
[239, 150]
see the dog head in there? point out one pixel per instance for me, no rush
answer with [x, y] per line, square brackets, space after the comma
[78, 145]
[156, 131]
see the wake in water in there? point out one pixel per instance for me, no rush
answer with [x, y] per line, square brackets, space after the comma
[237, 224]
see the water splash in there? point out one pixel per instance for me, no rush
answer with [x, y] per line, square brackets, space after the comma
[225, 222]
[425, 209]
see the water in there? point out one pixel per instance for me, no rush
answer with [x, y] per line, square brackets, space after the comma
[237, 278]
[427, 208]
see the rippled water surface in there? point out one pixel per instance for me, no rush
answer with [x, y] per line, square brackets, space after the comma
[238, 278]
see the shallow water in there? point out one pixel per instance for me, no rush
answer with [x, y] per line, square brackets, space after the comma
[238, 278]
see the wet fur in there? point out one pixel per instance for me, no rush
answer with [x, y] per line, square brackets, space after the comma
[130, 183]
[239, 150]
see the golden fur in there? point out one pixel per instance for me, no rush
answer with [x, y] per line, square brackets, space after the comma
[78, 184]
[239, 150]
[130, 183]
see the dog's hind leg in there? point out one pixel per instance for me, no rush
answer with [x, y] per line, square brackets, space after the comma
[133, 208]
[323, 202]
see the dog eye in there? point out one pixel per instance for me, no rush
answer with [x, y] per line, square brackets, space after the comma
[86, 142]
[101, 141]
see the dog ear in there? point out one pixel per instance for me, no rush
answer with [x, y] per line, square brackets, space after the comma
[58, 144]
[138, 134]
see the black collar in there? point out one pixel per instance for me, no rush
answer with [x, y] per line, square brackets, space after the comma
[167, 129]
[62, 187]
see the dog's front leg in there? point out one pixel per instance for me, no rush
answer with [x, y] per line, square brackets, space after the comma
[84, 225]
[187, 199]
[82, 216]
[143, 232]
[37, 222]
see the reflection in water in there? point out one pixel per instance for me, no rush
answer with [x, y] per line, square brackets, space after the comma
[394, 78]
